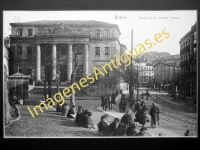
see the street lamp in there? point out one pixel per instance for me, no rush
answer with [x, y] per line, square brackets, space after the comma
[137, 89]
[33, 75]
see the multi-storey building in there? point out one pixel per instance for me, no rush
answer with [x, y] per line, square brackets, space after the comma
[188, 52]
[145, 69]
[162, 72]
[43, 47]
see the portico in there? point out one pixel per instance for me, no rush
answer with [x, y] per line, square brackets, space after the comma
[51, 49]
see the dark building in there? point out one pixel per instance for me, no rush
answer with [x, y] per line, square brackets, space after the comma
[188, 52]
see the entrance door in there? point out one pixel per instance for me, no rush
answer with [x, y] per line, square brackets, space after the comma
[63, 71]
[48, 69]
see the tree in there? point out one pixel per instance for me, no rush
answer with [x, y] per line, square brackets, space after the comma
[130, 76]
[76, 48]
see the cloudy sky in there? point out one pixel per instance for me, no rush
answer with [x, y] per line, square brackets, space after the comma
[176, 23]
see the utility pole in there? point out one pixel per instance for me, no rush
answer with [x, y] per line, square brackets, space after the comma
[131, 76]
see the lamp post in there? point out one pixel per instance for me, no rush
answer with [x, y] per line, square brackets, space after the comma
[44, 87]
[32, 73]
[137, 89]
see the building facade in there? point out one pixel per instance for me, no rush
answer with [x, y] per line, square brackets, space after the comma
[145, 69]
[162, 73]
[44, 47]
[188, 52]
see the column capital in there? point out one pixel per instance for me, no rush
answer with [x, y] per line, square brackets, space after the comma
[54, 43]
[38, 43]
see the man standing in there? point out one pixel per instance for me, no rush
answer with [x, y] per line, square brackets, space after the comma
[113, 98]
[154, 113]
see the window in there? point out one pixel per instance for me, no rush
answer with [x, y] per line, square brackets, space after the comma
[19, 50]
[107, 33]
[29, 50]
[63, 51]
[97, 50]
[107, 50]
[30, 32]
[19, 32]
[98, 33]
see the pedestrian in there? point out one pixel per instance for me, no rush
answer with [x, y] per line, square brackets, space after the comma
[102, 125]
[113, 98]
[122, 104]
[143, 114]
[102, 101]
[142, 95]
[78, 115]
[137, 111]
[116, 93]
[142, 132]
[110, 102]
[71, 113]
[154, 113]
[131, 130]
[107, 102]
[147, 94]
[65, 109]
[20, 101]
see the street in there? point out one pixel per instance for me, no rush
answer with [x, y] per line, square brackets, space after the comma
[175, 118]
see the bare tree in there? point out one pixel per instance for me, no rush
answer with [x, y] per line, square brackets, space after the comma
[77, 48]
[130, 76]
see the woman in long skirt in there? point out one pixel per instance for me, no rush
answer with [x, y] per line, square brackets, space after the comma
[154, 113]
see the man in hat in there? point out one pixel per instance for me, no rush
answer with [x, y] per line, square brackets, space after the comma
[142, 132]
[102, 125]
[78, 115]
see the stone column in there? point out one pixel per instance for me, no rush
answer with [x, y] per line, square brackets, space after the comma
[85, 67]
[54, 61]
[38, 69]
[69, 71]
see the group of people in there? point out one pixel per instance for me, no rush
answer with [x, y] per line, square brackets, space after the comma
[17, 100]
[108, 100]
[145, 94]
[82, 116]
[125, 127]
[141, 114]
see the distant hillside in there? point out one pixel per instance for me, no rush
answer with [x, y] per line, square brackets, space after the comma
[155, 57]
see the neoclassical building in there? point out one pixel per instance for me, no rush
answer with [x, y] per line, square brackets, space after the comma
[43, 47]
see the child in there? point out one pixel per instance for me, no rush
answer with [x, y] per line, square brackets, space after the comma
[20, 101]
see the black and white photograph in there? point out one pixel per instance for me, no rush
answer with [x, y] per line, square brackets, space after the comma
[100, 74]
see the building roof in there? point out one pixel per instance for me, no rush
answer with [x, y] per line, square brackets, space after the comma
[149, 64]
[82, 23]
[193, 28]
[18, 75]
[122, 45]
[161, 63]
[135, 60]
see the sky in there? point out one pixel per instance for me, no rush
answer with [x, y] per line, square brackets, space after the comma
[144, 24]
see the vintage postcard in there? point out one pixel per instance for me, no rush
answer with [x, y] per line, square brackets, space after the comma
[100, 74]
